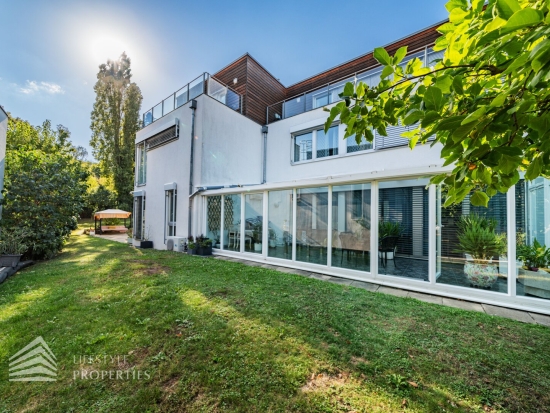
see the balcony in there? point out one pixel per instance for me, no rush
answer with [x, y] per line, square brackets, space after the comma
[202, 84]
[328, 94]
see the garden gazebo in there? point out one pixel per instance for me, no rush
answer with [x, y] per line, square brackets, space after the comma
[110, 213]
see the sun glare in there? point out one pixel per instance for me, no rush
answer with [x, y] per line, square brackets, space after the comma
[105, 47]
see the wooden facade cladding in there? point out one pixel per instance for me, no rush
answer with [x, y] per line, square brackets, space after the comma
[415, 42]
[255, 84]
[260, 89]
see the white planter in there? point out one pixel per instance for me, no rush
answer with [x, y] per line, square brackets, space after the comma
[130, 240]
[272, 243]
[92, 232]
[481, 275]
[258, 247]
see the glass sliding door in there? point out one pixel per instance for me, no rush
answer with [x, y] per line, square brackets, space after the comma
[213, 219]
[232, 222]
[351, 228]
[473, 239]
[403, 214]
[532, 231]
[280, 224]
[312, 225]
[253, 229]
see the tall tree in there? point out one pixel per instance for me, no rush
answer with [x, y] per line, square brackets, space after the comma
[115, 121]
[487, 101]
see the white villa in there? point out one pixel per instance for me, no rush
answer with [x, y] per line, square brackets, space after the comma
[243, 159]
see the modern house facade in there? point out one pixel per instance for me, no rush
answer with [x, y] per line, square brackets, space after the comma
[243, 159]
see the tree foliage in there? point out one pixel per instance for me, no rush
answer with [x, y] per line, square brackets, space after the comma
[486, 102]
[115, 121]
[44, 186]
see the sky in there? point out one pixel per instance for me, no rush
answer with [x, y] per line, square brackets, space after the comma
[51, 49]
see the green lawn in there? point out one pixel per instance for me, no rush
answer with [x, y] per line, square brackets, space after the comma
[220, 336]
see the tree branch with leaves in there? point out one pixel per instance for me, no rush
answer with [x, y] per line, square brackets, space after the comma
[486, 101]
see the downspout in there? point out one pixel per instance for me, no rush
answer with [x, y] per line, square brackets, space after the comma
[264, 132]
[193, 107]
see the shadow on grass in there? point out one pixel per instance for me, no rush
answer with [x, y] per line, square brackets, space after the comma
[224, 336]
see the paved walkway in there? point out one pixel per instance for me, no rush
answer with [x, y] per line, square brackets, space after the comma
[114, 236]
[523, 316]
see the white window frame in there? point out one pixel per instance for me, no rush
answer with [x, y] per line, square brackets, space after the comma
[170, 204]
[141, 148]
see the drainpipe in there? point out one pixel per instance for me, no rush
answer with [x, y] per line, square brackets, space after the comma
[193, 107]
[264, 132]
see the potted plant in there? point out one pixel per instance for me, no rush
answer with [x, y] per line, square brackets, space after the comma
[130, 239]
[191, 245]
[204, 245]
[12, 246]
[534, 275]
[389, 229]
[272, 238]
[477, 238]
[257, 236]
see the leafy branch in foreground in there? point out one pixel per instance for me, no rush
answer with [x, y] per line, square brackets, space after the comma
[486, 101]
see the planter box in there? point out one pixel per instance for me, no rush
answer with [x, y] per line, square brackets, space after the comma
[204, 251]
[536, 283]
[9, 260]
[143, 244]
[192, 251]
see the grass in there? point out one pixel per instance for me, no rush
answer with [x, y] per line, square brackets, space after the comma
[216, 336]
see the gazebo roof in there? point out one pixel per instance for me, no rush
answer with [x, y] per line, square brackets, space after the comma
[112, 213]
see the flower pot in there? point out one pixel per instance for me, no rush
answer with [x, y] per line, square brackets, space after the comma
[481, 275]
[10, 260]
[257, 247]
[204, 251]
[92, 232]
[130, 240]
[536, 283]
[191, 251]
[146, 244]
[272, 243]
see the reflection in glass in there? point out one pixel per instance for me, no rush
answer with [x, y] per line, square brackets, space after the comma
[213, 219]
[351, 226]
[303, 148]
[533, 230]
[232, 222]
[472, 244]
[253, 229]
[280, 224]
[403, 228]
[327, 143]
[312, 225]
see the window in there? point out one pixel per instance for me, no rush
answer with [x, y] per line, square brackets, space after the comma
[303, 147]
[280, 224]
[316, 144]
[141, 164]
[139, 216]
[170, 215]
[327, 143]
[353, 146]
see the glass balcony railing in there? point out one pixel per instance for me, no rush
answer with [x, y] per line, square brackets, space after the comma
[202, 84]
[328, 94]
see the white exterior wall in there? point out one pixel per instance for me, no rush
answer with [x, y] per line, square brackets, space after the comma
[280, 167]
[227, 151]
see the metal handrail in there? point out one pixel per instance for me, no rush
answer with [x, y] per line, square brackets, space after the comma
[327, 85]
[184, 91]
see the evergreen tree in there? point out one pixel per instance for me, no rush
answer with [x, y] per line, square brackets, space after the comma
[115, 121]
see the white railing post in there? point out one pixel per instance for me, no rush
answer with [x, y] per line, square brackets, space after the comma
[511, 239]
[374, 228]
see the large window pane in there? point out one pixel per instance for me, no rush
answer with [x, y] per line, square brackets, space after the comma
[232, 222]
[353, 146]
[403, 228]
[351, 226]
[327, 143]
[253, 234]
[303, 148]
[213, 219]
[280, 224]
[533, 230]
[312, 225]
[472, 244]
